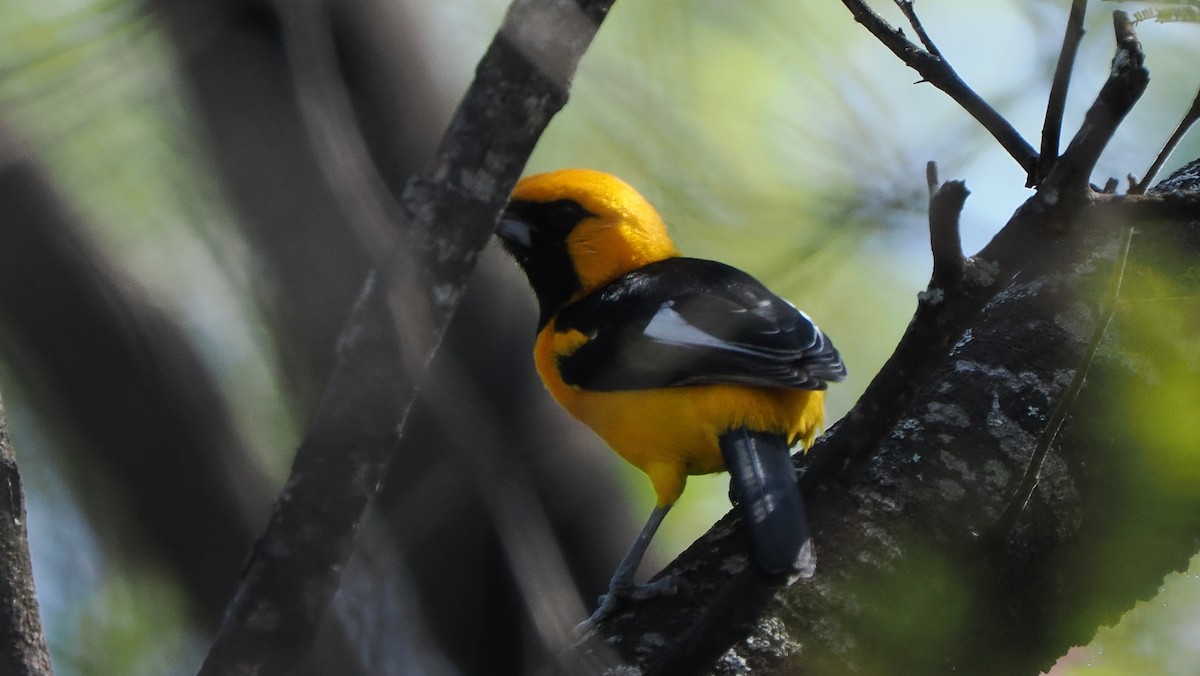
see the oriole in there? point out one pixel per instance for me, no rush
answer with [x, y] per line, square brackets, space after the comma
[683, 366]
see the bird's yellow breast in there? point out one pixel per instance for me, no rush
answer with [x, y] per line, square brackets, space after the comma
[672, 432]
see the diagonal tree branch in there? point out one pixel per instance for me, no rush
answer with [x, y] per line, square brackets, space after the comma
[938, 72]
[448, 215]
[1189, 118]
[922, 467]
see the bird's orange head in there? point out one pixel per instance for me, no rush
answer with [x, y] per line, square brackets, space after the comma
[575, 230]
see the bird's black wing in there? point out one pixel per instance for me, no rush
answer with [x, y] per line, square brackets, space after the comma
[685, 321]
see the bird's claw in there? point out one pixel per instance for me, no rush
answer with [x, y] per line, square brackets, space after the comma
[665, 586]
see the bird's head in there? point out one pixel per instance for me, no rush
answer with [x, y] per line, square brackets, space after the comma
[575, 230]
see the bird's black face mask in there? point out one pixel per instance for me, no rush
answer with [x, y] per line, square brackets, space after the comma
[535, 234]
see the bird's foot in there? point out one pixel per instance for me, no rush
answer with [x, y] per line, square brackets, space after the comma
[667, 585]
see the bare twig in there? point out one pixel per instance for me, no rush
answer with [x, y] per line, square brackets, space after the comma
[448, 213]
[23, 650]
[938, 72]
[1052, 129]
[906, 6]
[945, 206]
[1189, 118]
[1125, 84]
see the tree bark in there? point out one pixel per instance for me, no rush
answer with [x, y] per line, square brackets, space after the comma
[23, 650]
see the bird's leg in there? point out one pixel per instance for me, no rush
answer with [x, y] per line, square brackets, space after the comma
[621, 586]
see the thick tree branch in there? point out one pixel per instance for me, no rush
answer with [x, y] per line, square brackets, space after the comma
[1068, 399]
[902, 514]
[449, 212]
[1031, 272]
[938, 72]
[23, 650]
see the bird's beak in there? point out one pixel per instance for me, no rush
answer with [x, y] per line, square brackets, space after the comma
[514, 231]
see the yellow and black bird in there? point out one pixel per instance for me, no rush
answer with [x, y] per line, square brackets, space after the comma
[684, 366]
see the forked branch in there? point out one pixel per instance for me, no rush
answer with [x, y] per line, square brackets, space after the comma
[1057, 103]
[1125, 84]
[937, 71]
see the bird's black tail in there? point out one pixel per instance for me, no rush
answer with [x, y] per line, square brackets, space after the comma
[764, 480]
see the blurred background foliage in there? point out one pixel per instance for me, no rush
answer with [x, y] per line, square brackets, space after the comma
[776, 135]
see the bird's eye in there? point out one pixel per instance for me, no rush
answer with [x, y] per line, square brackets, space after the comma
[566, 214]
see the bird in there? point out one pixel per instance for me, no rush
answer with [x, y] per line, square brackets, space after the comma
[684, 366]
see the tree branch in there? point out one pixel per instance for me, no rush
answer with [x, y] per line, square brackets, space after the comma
[1154, 209]
[1189, 118]
[900, 509]
[449, 212]
[910, 13]
[945, 242]
[1125, 84]
[1057, 103]
[1067, 401]
[938, 72]
[23, 650]
[903, 489]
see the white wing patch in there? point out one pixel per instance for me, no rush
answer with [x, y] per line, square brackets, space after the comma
[669, 327]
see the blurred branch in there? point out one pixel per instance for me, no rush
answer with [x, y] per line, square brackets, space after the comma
[520, 83]
[1057, 103]
[303, 267]
[938, 72]
[370, 208]
[23, 650]
[133, 404]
